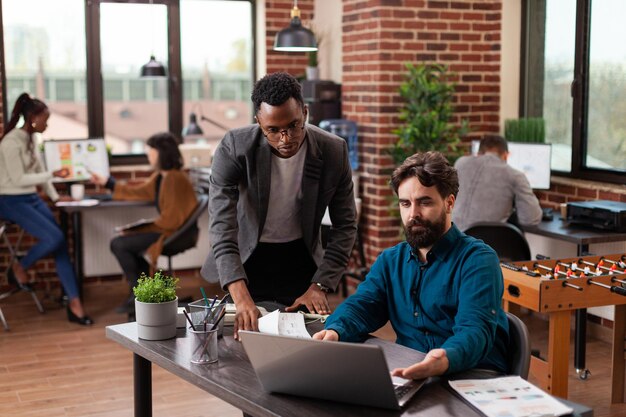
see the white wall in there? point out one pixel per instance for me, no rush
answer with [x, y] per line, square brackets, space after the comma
[510, 60]
[327, 26]
[261, 50]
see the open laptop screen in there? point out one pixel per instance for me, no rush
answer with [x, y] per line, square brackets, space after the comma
[78, 156]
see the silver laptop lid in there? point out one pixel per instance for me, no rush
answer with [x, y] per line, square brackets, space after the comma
[346, 372]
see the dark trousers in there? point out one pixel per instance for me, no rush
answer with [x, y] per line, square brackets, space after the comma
[279, 272]
[129, 250]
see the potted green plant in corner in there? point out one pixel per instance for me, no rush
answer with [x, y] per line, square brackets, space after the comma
[156, 306]
[427, 114]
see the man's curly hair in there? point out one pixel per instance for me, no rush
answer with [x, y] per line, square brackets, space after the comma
[275, 89]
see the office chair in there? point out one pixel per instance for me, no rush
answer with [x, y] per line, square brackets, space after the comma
[14, 253]
[519, 346]
[187, 236]
[506, 239]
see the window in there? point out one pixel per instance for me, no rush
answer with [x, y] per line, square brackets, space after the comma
[99, 93]
[575, 78]
[45, 57]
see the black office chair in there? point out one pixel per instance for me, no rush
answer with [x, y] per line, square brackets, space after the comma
[519, 346]
[506, 239]
[187, 236]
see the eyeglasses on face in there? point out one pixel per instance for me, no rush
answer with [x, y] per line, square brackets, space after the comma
[292, 132]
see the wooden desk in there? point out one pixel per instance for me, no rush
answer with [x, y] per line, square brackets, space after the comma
[582, 237]
[233, 380]
[77, 234]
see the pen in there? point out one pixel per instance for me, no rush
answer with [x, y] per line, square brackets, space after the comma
[206, 300]
[222, 314]
[189, 320]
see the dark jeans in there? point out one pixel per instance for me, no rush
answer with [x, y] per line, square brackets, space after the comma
[279, 272]
[129, 250]
[33, 215]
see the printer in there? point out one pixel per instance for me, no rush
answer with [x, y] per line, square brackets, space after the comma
[601, 214]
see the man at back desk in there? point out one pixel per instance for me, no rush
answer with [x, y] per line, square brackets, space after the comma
[441, 289]
[490, 188]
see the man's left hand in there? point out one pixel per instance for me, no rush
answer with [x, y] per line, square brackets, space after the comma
[435, 363]
[314, 299]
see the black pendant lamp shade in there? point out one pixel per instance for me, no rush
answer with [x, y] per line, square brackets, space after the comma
[153, 68]
[295, 37]
[192, 128]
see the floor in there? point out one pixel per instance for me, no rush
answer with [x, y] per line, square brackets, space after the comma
[49, 367]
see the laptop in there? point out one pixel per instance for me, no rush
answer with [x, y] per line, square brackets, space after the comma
[347, 372]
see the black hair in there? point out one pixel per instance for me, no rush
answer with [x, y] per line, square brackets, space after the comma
[430, 168]
[275, 89]
[27, 107]
[493, 143]
[167, 146]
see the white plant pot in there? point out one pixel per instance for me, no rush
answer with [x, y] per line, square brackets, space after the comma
[312, 73]
[156, 321]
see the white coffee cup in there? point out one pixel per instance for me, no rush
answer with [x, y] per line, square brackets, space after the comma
[77, 191]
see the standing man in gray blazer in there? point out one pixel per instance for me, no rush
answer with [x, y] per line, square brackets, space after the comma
[270, 185]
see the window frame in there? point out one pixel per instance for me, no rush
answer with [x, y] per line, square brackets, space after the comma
[579, 91]
[95, 87]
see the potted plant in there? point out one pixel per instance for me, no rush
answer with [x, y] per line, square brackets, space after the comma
[530, 129]
[427, 114]
[312, 71]
[156, 306]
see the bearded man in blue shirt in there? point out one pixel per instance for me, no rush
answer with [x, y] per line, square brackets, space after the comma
[441, 289]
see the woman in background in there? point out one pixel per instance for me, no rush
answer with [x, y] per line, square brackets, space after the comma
[172, 192]
[20, 174]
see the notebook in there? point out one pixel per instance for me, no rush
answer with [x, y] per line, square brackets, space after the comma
[347, 372]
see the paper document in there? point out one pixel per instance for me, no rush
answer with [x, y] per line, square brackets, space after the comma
[78, 203]
[231, 310]
[284, 324]
[134, 225]
[509, 396]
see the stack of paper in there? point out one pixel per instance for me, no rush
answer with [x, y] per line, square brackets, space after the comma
[509, 396]
[284, 324]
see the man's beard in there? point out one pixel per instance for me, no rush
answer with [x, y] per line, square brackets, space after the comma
[427, 235]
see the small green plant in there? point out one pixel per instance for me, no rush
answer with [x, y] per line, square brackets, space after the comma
[160, 288]
[531, 129]
[312, 58]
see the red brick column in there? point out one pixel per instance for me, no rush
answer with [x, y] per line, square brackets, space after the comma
[277, 17]
[379, 36]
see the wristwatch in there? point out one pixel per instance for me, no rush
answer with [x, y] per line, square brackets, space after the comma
[323, 287]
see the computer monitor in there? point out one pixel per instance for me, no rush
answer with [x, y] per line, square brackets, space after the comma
[533, 159]
[79, 156]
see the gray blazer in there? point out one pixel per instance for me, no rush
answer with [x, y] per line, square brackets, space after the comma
[239, 196]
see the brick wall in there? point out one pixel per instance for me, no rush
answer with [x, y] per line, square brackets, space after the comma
[277, 17]
[564, 190]
[379, 36]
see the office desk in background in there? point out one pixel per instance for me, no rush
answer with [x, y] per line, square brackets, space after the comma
[76, 211]
[582, 237]
[233, 380]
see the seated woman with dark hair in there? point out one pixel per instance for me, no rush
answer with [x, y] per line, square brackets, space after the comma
[172, 192]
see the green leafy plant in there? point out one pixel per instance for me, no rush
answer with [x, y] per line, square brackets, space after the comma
[427, 113]
[531, 129]
[160, 288]
[312, 58]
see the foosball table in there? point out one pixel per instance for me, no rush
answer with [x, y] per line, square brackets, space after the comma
[557, 287]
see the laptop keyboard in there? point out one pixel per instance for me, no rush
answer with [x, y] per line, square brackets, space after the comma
[404, 392]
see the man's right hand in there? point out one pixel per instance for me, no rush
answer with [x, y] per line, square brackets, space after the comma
[329, 335]
[247, 314]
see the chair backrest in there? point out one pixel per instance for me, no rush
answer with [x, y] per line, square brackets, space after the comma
[506, 239]
[519, 346]
[186, 237]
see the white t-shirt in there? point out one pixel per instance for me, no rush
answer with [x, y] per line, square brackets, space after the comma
[284, 217]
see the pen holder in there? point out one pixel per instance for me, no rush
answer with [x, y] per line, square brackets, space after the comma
[203, 345]
[199, 312]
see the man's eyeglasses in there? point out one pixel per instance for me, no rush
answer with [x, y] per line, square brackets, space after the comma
[292, 132]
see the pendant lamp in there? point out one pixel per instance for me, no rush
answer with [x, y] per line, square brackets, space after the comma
[153, 68]
[295, 37]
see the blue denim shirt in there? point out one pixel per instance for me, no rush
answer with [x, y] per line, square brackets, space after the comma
[453, 301]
